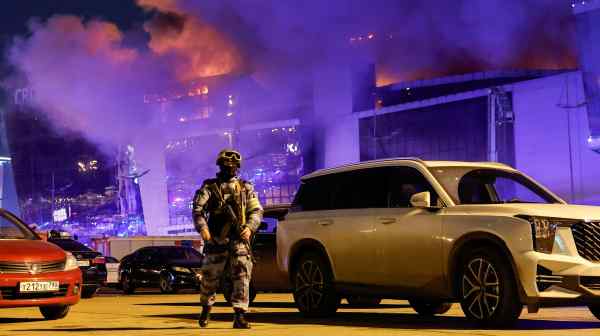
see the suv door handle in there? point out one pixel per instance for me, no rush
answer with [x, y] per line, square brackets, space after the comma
[325, 222]
[387, 220]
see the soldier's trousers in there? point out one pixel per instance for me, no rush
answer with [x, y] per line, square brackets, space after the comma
[240, 269]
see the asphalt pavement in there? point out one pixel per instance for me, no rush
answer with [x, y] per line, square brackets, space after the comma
[151, 313]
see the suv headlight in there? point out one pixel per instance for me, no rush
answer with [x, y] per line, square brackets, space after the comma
[181, 269]
[71, 262]
[543, 231]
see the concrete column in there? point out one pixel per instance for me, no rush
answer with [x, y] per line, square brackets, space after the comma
[150, 154]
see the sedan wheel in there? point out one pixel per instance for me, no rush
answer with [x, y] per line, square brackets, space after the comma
[313, 287]
[166, 283]
[127, 284]
[488, 291]
[88, 292]
[54, 312]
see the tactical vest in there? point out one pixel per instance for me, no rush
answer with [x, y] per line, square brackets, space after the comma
[220, 223]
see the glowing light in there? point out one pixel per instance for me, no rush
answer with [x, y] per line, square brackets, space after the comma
[182, 119]
[371, 36]
[229, 114]
[292, 148]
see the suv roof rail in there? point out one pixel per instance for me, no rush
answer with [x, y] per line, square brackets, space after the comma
[326, 171]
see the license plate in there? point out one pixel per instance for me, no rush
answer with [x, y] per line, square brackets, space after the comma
[38, 286]
[83, 263]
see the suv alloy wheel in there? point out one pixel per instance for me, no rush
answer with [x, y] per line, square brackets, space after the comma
[54, 312]
[313, 287]
[488, 291]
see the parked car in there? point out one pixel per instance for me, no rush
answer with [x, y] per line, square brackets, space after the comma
[167, 267]
[112, 271]
[266, 276]
[91, 263]
[34, 273]
[434, 232]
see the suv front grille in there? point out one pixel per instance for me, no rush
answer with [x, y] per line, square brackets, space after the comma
[25, 268]
[587, 240]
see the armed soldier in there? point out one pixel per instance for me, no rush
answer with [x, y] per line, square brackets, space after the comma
[227, 212]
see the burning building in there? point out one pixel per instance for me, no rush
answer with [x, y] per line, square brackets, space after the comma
[203, 117]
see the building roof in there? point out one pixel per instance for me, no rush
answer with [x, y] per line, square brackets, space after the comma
[406, 92]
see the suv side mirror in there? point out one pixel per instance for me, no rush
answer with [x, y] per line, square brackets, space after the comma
[421, 200]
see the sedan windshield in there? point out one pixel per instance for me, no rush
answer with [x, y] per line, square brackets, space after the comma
[13, 229]
[472, 185]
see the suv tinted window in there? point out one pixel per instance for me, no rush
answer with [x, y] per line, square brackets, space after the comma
[360, 189]
[314, 194]
[403, 182]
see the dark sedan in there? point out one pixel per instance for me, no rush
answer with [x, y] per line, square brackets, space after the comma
[90, 262]
[167, 267]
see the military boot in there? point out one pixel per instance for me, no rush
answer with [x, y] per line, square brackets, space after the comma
[239, 320]
[204, 316]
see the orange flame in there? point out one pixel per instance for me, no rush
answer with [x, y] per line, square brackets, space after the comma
[197, 49]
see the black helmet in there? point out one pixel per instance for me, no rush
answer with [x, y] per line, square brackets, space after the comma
[229, 157]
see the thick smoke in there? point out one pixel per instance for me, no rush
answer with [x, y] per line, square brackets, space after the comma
[409, 39]
[88, 80]
[84, 78]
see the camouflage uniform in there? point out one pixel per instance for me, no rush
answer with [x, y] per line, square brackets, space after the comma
[221, 250]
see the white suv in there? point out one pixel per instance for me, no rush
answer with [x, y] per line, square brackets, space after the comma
[433, 232]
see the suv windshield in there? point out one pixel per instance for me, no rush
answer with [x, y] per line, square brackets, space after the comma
[472, 185]
[13, 229]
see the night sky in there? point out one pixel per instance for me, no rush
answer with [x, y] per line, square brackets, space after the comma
[16, 15]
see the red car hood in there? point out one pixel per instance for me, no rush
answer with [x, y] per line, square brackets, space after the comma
[22, 250]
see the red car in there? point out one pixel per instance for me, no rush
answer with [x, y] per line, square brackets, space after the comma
[34, 273]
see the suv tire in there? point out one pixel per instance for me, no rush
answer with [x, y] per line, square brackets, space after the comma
[54, 312]
[426, 308]
[487, 288]
[314, 293]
